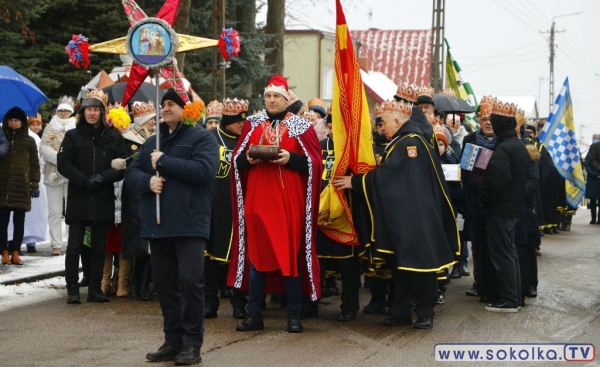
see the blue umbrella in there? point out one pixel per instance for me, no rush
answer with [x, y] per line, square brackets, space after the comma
[16, 90]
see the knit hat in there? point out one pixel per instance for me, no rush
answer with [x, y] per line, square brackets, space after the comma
[172, 95]
[278, 84]
[442, 138]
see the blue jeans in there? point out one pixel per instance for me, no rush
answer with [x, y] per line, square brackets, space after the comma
[256, 291]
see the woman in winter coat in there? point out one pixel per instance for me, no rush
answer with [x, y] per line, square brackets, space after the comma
[56, 184]
[19, 181]
[592, 184]
[135, 249]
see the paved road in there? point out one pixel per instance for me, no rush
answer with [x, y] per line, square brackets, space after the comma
[119, 333]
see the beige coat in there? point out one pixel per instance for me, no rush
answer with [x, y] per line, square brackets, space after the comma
[53, 136]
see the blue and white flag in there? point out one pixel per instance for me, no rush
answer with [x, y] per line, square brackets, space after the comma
[558, 135]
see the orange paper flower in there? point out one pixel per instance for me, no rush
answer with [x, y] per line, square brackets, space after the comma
[192, 112]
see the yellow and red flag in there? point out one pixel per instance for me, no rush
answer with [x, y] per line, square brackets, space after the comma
[352, 135]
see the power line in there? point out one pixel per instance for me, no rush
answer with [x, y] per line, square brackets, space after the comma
[535, 21]
[506, 58]
[504, 63]
[515, 16]
[583, 51]
[504, 54]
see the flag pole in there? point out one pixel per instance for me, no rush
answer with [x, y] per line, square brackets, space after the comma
[157, 132]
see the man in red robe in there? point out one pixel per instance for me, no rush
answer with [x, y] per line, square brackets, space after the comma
[275, 210]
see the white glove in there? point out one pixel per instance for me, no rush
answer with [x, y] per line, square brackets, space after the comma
[119, 164]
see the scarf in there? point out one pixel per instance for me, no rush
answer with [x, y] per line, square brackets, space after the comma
[484, 141]
[60, 125]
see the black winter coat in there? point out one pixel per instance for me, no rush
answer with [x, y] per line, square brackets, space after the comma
[83, 153]
[189, 165]
[3, 144]
[20, 168]
[505, 178]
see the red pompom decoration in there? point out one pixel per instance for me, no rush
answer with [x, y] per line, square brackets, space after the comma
[78, 50]
[229, 43]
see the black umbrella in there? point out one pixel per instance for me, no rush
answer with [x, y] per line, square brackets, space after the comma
[147, 92]
[449, 104]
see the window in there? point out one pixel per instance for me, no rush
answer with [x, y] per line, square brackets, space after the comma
[327, 84]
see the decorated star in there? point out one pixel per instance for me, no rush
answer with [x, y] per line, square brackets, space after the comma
[78, 48]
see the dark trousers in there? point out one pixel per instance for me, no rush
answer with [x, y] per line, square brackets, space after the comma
[74, 250]
[528, 264]
[503, 254]
[380, 288]
[215, 275]
[18, 232]
[178, 275]
[484, 272]
[256, 291]
[418, 286]
[350, 271]
[593, 205]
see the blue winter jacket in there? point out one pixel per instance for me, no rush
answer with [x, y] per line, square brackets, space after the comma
[189, 164]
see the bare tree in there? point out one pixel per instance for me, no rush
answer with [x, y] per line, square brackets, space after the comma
[276, 28]
[182, 26]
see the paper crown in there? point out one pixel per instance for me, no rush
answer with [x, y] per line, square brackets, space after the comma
[448, 92]
[311, 116]
[233, 107]
[292, 97]
[378, 111]
[140, 109]
[399, 108]
[486, 105]
[425, 90]
[439, 129]
[278, 84]
[317, 102]
[99, 95]
[504, 109]
[111, 106]
[214, 110]
[408, 92]
[520, 116]
[66, 103]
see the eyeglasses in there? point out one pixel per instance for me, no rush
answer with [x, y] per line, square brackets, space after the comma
[63, 111]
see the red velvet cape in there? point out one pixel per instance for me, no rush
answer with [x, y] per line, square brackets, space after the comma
[301, 130]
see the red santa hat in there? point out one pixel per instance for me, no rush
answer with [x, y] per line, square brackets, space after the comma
[278, 84]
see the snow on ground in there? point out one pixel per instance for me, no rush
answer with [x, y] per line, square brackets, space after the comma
[29, 293]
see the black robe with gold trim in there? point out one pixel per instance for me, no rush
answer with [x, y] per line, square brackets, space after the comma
[218, 245]
[414, 223]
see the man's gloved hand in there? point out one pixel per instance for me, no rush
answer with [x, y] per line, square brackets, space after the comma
[35, 192]
[94, 183]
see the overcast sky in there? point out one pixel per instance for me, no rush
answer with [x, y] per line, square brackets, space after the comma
[498, 45]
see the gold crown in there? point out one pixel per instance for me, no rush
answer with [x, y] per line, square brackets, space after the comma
[425, 90]
[143, 108]
[317, 101]
[504, 109]
[486, 105]
[439, 129]
[234, 107]
[520, 116]
[111, 106]
[378, 111]
[214, 109]
[408, 92]
[99, 95]
[311, 116]
[448, 92]
[400, 108]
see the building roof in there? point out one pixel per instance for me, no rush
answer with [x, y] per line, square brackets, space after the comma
[402, 55]
[379, 86]
[296, 21]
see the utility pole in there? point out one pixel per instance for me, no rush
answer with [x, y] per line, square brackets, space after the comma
[552, 32]
[437, 45]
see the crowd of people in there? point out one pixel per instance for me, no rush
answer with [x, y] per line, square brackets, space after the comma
[231, 208]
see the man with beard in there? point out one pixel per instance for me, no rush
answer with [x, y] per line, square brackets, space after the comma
[218, 248]
[420, 243]
[85, 158]
[276, 172]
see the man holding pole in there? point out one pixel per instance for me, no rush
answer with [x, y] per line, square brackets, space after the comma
[187, 162]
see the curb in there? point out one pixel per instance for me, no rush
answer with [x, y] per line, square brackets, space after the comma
[34, 278]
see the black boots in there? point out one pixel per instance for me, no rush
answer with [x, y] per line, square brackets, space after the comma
[293, 322]
[165, 353]
[189, 355]
[253, 321]
[455, 273]
[73, 294]
[95, 295]
[423, 322]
